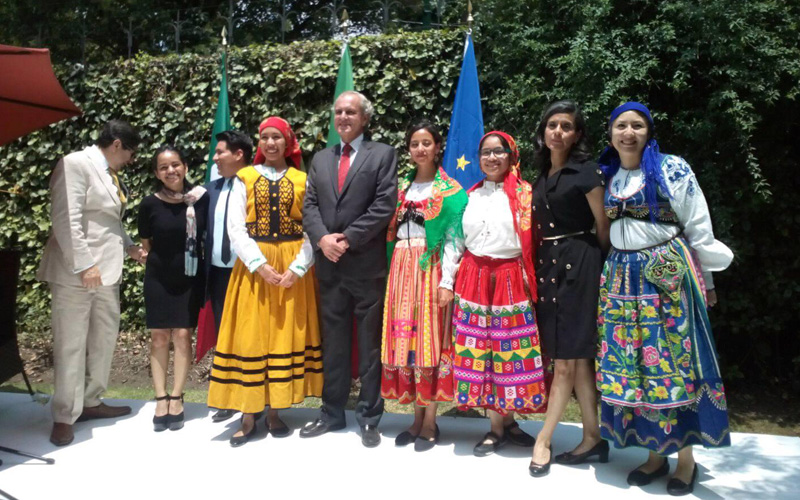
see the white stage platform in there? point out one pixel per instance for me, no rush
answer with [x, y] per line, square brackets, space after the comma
[125, 459]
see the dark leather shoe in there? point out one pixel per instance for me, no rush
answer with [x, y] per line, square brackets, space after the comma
[639, 478]
[222, 415]
[541, 470]
[280, 431]
[240, 440]
[519, 437]
[677, 488]
[424, 443]
[103, 411]
[404, 438]
[600, 449]
[318, 427]
[370, 437]
[484, 449]
[62, 434]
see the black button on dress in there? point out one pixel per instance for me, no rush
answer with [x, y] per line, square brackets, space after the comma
[171, 299]
[567, 270]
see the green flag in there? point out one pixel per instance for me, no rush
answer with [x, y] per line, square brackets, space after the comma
[222, 121]
[344, 82]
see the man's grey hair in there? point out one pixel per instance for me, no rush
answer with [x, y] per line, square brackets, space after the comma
[366, 106]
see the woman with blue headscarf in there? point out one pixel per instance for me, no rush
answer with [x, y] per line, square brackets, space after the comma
[657, 368]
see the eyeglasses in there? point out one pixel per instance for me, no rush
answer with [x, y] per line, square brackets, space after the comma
[497, 152]
[132, 150]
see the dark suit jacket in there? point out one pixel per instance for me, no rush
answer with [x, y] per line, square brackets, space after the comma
[213, 188]
[361, 212]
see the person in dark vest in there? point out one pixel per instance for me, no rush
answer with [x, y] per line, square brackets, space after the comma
[234, 151]
[350, 199]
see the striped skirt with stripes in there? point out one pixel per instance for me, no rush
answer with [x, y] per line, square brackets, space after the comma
[269, 348]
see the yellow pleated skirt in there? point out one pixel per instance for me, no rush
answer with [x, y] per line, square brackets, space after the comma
[269, 349]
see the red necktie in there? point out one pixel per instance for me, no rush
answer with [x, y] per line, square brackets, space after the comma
[344, 165]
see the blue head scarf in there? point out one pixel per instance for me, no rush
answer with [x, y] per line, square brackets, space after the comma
[650, 163]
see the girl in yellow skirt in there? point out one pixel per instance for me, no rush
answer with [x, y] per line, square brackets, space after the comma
[269, 349]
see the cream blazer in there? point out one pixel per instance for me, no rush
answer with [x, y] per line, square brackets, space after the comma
[86, 216]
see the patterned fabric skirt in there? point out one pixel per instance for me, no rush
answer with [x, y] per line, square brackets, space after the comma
[415, 352]
[498, 362]
[657, 368]
[268, 351]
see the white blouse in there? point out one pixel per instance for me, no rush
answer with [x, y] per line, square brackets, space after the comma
[450, 252]
[245, 247]
[488, 229]
[689, 205]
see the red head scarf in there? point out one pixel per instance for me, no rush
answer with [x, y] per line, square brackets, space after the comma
[520, 198]
[292, 146]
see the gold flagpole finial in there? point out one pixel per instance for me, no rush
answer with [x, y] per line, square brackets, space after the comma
[224, 36]
[470, 19]
[345, 24]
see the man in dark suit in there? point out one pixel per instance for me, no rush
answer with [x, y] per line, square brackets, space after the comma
[350, 198]
[234, 151]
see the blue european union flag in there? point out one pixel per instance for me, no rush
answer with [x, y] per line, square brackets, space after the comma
[466, 125]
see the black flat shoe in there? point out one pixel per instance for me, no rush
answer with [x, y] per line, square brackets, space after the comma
[600, 449]
[484, 449]
[161, 423]
[517, 436]
[541, 470]
[176, 421]
[425, 444]
[240, 440]
[677, 488]
[318, 427]
[222, 415]
[370, 437]
[639, 478]
[404, 438]
[278, 432]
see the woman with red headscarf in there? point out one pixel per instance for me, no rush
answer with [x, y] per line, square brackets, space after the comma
[498, 362]
[269, 349]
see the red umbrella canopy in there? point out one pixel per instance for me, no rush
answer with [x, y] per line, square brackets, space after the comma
[30, 96]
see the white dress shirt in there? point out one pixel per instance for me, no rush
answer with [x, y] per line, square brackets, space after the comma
[356, 145]
[420, 191]
[689, 205]
[219, 222]
[247, 248]
[488, 229]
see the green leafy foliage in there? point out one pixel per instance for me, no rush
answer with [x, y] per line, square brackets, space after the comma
[722, 79]
[171, 100]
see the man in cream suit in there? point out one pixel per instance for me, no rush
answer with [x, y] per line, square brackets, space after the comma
[82, 262]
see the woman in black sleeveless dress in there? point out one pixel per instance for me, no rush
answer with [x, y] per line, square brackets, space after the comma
[567, 204]
[173, 280]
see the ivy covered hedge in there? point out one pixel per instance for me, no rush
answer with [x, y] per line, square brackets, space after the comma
[722, 78]
[172, 100]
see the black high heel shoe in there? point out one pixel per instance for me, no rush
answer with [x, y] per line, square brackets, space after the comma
[639, 478]
[176, 421]
[676, 487]
[541, 470]
[161, 423]
[600, 449]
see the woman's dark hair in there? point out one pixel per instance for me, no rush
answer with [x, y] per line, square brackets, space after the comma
[238, 141]
[580, 151]
[428, 126]
[118, 129]
[172, 149]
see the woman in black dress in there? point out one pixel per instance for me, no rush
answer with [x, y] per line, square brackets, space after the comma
[567, 203]
[173, 280]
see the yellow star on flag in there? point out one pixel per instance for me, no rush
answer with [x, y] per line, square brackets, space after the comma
[462, 162]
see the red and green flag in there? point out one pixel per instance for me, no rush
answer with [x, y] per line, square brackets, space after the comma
[222, 121]
[344, 82]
